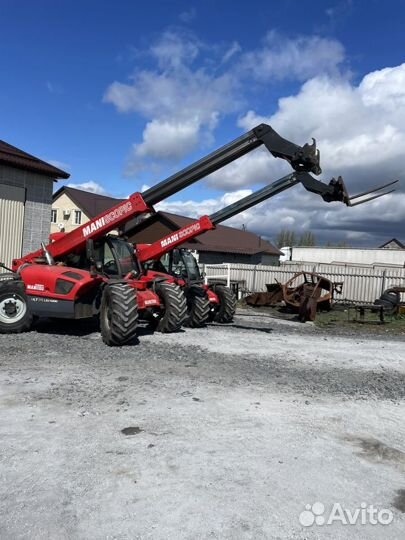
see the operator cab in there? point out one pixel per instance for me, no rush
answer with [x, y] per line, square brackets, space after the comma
[182, 264]
[115, 257]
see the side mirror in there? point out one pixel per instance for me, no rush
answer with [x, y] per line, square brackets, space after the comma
[176, 257]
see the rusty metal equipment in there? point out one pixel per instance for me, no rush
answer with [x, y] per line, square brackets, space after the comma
[309, 292]
[305, 292]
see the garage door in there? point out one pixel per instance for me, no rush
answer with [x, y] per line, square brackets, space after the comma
[12, 200]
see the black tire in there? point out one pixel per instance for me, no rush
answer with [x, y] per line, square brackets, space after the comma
[227, 304]
[391, 296]
[118, 314]
[389, 308]
[174, 307]
[198, 310]
[15, 315]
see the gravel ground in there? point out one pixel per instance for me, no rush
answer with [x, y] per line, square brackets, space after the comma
[223, 432]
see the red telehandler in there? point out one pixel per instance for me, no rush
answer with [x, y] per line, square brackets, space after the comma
[217, 302]
[87, 272]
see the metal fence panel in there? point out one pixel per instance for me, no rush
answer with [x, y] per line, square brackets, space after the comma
[360, 283]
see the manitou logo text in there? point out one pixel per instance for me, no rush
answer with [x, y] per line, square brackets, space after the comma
[181, 234]
[107, 219]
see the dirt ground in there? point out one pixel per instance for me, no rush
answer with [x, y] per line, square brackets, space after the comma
[223, 432]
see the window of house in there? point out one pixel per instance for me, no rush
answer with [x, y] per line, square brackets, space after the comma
[54, 215]
[78, 217]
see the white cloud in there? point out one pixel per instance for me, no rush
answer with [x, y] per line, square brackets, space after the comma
[254, 168]
[174, 51]
[205, 207]
[297, 59]
[188, 15]
[360, 130]
[181, 103]
[300, 211]
[91, 186]
[167, 140]
[189, 100]
[231, 51]
[58, 164]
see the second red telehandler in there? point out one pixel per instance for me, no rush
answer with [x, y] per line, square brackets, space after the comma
[216, 302]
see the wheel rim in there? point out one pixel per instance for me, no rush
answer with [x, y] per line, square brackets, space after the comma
[12, 309]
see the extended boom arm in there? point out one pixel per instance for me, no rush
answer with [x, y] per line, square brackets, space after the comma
[334, 191]
[301, 158]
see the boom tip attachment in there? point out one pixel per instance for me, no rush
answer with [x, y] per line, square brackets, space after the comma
[373, 192]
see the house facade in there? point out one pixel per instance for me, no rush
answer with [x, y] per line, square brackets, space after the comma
[72, 207]
[26, 185]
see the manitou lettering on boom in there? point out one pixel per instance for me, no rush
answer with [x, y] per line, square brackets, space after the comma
[108, 218]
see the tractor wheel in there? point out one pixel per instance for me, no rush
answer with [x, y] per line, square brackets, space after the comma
[15, 316]
[227, 304]
[118, 314]
[198, 312]
[174, 307]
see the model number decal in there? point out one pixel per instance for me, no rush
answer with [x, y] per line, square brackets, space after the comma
[45, 300]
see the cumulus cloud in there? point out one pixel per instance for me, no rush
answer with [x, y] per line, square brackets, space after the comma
[181, 103]
[360, 129]
[205, 207]
[91, 186]
[186, 98]
[298, 59]
[301, 211]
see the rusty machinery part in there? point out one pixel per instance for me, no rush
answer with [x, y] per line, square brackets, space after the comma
[305, 292]
[272, 297]
[309, 292]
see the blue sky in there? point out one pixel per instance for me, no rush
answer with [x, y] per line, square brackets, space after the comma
[122, 94]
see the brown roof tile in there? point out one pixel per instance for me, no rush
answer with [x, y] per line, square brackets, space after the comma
[225, 239]
[15, 157]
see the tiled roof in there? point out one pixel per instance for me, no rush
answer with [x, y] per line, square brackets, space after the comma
[91, 203]
[10, 155]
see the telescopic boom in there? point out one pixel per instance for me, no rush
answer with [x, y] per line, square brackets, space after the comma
[301, 158]
[334, 191]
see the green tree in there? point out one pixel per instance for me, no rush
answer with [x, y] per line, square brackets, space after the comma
[307, 238]
[286, 237]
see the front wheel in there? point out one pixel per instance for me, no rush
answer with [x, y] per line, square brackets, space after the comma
[15, 315]
[174, 307]
[227, 304]
[118, 314]
[198, 311]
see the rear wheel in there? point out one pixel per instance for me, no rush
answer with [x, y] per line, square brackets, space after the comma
[174, 307]
[15, 316]
[227, 304]
[198, 311]
[118, 314]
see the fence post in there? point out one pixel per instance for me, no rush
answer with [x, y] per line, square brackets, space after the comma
[254, 278]
[228, 279]
[384, 281]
